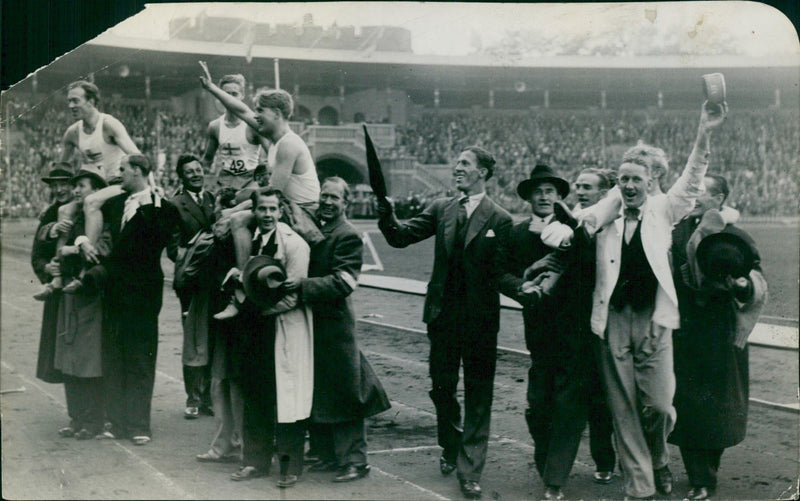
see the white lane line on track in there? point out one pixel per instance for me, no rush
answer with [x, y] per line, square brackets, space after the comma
[794, 407]
[13, 306]
[161, 476]
[409, 483]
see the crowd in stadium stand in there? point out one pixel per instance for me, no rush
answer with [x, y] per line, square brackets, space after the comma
[758, 151]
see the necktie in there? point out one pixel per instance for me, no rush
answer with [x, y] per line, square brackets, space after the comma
[631, 220]
[462, 211]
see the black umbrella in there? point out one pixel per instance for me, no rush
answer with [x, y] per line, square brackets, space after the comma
[376, 180]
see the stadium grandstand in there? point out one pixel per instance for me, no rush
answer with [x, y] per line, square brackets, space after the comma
[569, 111]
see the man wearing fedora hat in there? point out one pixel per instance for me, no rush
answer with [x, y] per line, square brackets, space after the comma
[80, 316]
[720, 291]
[556, 334]
[45, 267]
[462, 308]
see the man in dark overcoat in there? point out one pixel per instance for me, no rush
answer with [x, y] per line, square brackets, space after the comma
[557, 333]
[142, 225]
[462, 308]
[711, 371]
[42, 253]
[196, 209]
[346, 390]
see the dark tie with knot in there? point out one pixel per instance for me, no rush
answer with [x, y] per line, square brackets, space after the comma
[632, 217]
[461, 223]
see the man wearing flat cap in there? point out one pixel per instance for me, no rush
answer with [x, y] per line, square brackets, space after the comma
[462, 308]
[720, 291]
[45, 267]
[557, 335]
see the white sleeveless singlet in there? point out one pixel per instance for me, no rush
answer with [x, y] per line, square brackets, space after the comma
[235, 155]
[98, 155]
[302, 188]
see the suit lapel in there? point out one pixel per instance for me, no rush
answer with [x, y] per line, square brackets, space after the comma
[192, 208]
[450, 221]
[480, 217]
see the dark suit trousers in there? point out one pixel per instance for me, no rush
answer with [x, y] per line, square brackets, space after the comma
[702, 466]
[257, 381]
[601, 427]
[557, 407]
[345, 442]
[197, 382]
[85, 402]
[456, 336]
[129, 360]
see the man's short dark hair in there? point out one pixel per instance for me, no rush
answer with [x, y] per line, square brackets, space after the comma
[720, 186]
[227, 197]
[485, 159]
[236, 78]
[90, 89]
[184, 159]
[141, 162]
[277, 99]
[266, 192]
[605, 182]
[341, 182]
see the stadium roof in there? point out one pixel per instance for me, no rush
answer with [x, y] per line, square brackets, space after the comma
[120, 65]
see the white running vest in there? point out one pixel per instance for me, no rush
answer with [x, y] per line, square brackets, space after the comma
[96, 153]
[302, 188]
[235, 155]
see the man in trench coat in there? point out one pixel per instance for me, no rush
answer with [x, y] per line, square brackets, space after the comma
[346, 390]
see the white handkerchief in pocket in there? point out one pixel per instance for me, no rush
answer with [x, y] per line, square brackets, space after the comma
[490, 233]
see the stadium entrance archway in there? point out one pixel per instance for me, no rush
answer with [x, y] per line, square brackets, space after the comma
[302, 114]
[328, 116]
[339, 165]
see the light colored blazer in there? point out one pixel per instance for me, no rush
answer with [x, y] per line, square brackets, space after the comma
[659, 214]
[294, 333]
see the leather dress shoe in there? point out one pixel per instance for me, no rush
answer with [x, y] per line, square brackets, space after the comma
[247, 473]
[554, 493]
[470, 489]
[287, 481]
[322, 465]
[603, 477]
[140, 440]
[191, 413]
[206, 410]
[446, 467]
[84, 434]
[352, 472]
[212, 457]
[698, 493]
[66, 432]
[663, 478]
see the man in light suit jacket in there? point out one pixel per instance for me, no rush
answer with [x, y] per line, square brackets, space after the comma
[196, 209]
[462, 308]
[635, 307]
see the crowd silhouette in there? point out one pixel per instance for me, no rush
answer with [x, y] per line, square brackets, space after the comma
[757, 150]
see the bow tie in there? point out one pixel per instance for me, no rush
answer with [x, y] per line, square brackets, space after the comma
[631, 213]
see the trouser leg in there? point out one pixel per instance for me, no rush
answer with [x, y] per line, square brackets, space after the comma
[480, 360]
[227, 439]
[194, 382]
[655, 382]
[538, 415]
[701, 466]
[290, 441]
[141, 345]
[601, 427]
[89, 393]
[114, 378]
[445, 359]
[568, 419]
[259, 431]
[350, 442]
[323, 441]
[72, 394]
[620, 383]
